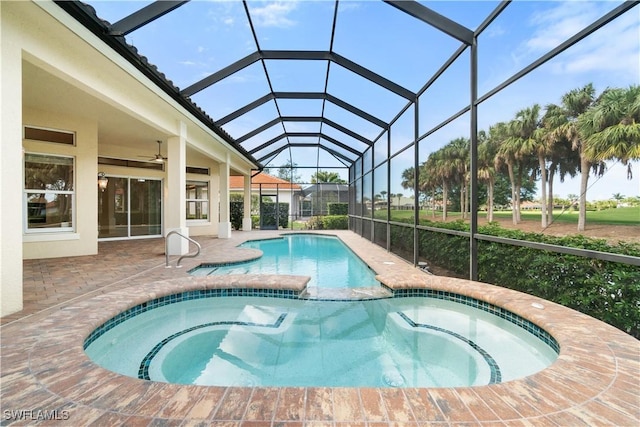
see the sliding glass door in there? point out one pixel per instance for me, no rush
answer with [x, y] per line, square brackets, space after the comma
[130, 207]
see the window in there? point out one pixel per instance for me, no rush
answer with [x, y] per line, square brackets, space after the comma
[49, 135]
[197, 200]
[48, 192]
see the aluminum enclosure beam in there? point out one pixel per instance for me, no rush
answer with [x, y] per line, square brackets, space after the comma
[258, 130]
[305, 134]
[313, 145]
[268, 143]
[241, 111]
[143, 16]
[299, 55]
[334, 100]
[222, 74]
[301, 119]
[434, 19]
[327, 137]
[302, 95]
[375, 78]
[344, 62]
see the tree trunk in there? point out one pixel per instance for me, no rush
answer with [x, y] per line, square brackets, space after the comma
[518, 192]
[513, 193]
[462, 204]
[466, 200]
[444, 200]
[433, 204]
[543, 186]
[490, 201]
[585, 167]
[550, 203]
[518, 218]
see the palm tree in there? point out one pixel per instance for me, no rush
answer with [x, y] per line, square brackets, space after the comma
[438, 166]
[446, 170]
[429, 183]
[613, 127]
[487, 150]
[528, 135]
[408, 178]
[574, 103]
[562, 159]
[507, 154]
[326, 176]
[399, 196]
[457, 152]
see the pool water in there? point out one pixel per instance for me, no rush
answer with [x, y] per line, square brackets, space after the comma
[328, 261]
[251, 341]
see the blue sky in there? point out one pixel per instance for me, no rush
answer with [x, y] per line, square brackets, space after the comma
[202, 37]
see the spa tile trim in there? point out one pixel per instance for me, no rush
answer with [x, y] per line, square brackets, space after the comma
[507, 315]
[185, 296]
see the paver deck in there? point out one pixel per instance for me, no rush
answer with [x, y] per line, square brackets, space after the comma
[45, 373]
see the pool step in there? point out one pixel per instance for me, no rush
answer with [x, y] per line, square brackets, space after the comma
[338, 294]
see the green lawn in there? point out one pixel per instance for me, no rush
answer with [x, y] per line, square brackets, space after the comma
[620, 216]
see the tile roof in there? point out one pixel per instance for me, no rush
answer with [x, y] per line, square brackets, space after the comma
[267, 181]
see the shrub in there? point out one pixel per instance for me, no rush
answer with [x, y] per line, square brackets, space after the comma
[606, 290]
[335, 222]
[315, 223]
[338, 208]
[236, 213]
[269, 214]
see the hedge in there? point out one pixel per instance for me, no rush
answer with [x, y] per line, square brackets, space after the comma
[335, 222]
[606, 290]
[237, 213]
[328, 222]
[338, 208]
[269, 214]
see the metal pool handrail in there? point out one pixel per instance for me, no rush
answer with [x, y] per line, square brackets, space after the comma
[166, 248]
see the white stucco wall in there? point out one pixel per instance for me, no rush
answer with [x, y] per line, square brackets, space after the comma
[41, 34]
[10, 165]
[83, 241]
[209, 227]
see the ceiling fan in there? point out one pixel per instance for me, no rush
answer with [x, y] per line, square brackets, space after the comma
[158, 158]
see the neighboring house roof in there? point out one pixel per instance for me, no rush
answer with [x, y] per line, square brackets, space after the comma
[267, 181]
[325, 186]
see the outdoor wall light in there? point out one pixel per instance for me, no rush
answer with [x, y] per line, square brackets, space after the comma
[102, 181]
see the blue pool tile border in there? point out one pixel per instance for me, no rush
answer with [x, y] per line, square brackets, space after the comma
[143, 369]
[507, 315]
[185, 296]
[494, 368]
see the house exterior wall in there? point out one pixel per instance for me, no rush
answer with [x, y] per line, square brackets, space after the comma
[210, 227]
[40, 35]
[10, 163]
[84, 239]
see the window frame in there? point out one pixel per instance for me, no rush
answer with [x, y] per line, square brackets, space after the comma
[26, 192]
[198, 201]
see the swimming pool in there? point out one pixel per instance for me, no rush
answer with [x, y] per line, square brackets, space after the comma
[328, 261]
[207, 338]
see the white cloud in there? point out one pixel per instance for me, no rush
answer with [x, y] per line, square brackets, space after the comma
[348, 5]
[495, 30]
[275, 14]
[614, 48]
[560, 22]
